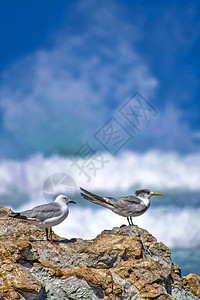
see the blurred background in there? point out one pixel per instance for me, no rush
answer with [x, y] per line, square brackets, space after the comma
[69, 73]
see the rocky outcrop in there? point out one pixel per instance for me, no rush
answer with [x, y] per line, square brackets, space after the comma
[122, 263]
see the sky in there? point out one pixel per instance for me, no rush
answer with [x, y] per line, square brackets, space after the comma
[67, 66]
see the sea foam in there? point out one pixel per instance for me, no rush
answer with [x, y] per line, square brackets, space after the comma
[155, 170]
[22, 182]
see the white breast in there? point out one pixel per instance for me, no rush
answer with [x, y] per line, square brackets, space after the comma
[146, 201]
[55, 220]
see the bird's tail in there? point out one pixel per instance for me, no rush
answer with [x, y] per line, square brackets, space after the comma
[17, 216]
[96, 199]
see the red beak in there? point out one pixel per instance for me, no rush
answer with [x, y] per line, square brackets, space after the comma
[72, 202]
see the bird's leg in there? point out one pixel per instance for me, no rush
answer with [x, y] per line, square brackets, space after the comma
[51, 238]
[129, 221]
[47, 236]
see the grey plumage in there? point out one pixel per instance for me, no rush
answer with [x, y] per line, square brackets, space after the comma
[128, 206]
[47, 215]
[40, 213]
[122, 206]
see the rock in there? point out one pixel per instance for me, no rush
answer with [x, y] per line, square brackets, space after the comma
[122, 263]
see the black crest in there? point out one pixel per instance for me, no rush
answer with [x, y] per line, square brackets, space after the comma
[143, 191]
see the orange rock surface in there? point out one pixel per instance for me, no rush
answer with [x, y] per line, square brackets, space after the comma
[123, 263]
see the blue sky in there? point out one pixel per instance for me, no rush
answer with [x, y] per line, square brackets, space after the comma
[66, 66]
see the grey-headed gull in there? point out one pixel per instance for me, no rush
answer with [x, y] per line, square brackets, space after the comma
[47, 215]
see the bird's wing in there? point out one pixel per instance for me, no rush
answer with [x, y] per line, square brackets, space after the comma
[42, 212]
[127, 206]
[130, 199]
[103, 201]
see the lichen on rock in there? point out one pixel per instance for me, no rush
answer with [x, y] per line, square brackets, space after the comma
[122, 263]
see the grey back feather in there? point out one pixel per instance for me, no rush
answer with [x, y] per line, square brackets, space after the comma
[43, 212]
[127, 206]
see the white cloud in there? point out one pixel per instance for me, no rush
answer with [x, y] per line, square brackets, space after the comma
[167, 131]
[52, 98]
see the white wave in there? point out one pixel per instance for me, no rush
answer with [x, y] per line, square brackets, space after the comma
[122, 174]
[174, 229]
[156, 170]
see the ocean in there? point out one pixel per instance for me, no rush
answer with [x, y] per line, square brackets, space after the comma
[173, 218]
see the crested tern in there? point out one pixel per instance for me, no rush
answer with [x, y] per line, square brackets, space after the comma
[128, 206]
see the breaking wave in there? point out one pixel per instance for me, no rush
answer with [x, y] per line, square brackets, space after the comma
[174, 220]
[157, 170]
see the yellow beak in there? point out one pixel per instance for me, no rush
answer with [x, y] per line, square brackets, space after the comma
[157, 194]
